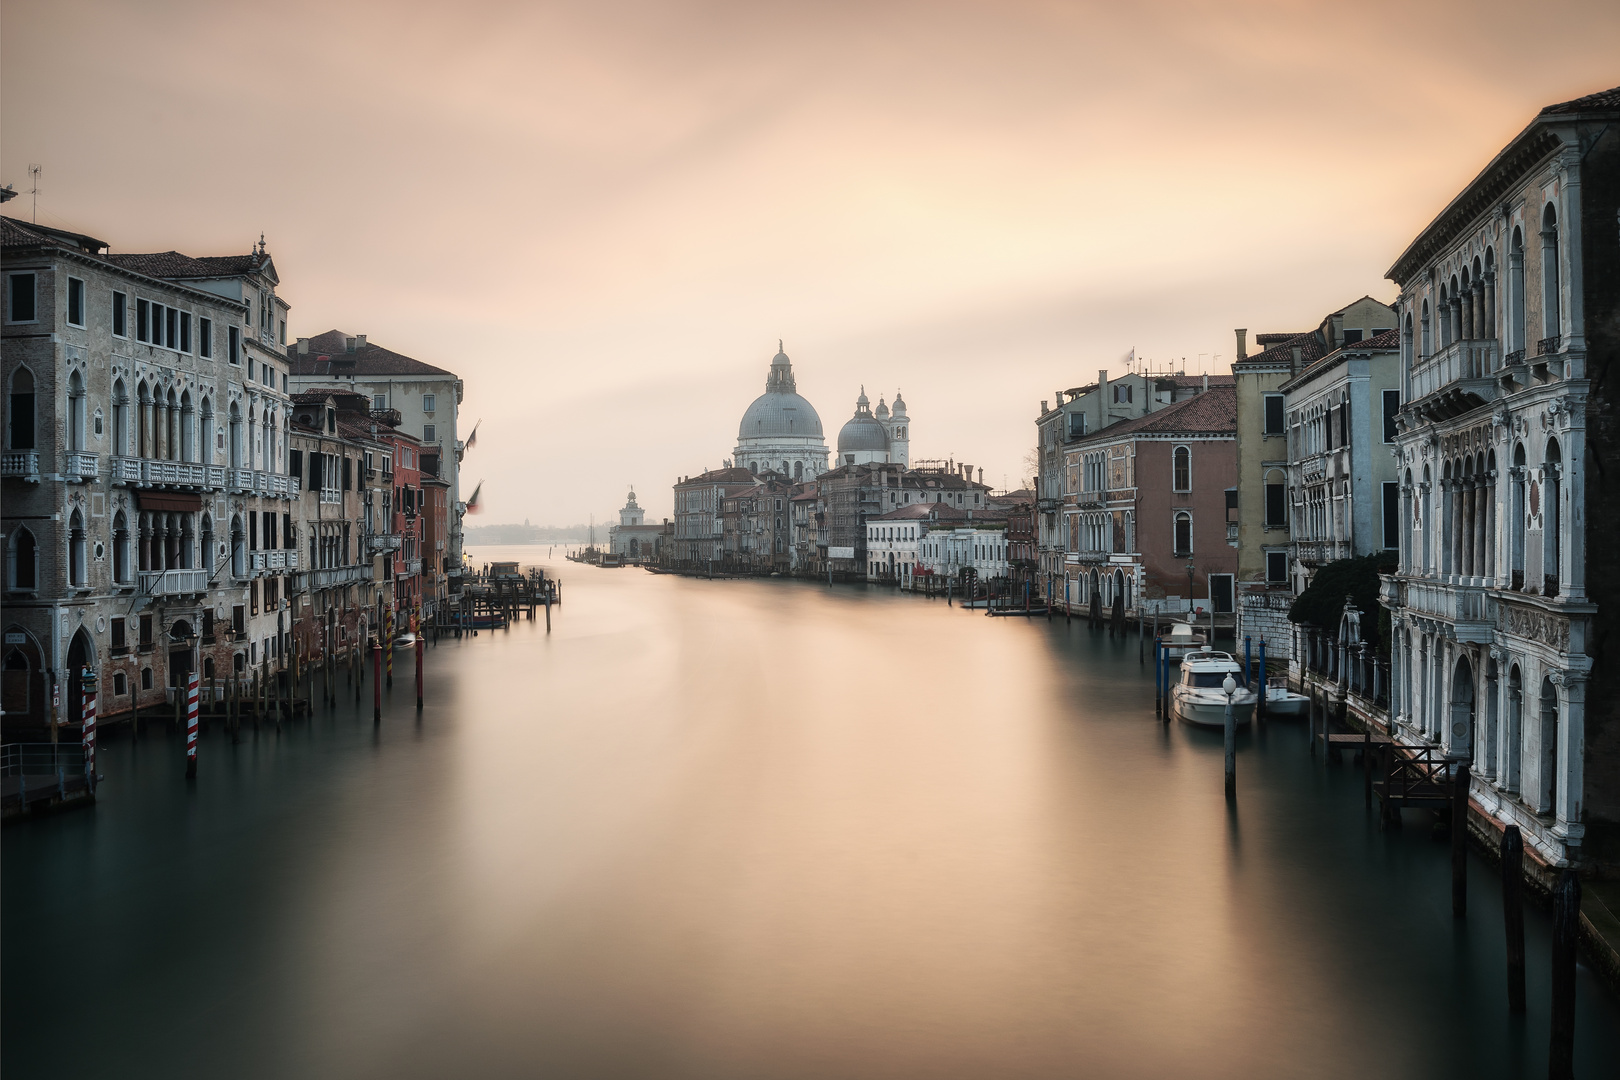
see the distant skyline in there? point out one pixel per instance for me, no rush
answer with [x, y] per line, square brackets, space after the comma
[603, 217]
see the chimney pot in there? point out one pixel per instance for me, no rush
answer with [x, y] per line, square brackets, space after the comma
[1299, 355]
[1337, 325]
[303, 346]
[1206, 380]
[1243, 344]
[360, 341]
[1044, 409]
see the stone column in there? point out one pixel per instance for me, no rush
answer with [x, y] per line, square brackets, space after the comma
[1571, 752]
[1490, 305]
[1465, 534]
[1465, 303]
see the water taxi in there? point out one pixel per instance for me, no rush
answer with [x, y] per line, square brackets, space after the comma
[1200, 696]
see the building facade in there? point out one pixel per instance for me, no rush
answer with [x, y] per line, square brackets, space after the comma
[1510, 324]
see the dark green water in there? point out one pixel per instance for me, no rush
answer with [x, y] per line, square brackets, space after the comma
[746, 829]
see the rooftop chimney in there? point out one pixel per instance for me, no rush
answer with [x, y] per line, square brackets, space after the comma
[359, 342]
[1336, 323]
[1102, 392]
[1243, 344]
[1206, 382]
[348, 344]
[1044, 409]
[1299, 355]
[303, 346]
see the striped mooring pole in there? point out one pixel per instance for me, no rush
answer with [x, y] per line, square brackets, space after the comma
[388, 646]
[191, 727]
[88, 715]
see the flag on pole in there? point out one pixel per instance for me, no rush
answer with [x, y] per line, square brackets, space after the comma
[472, 438]
[1130, 359]
[472, 501]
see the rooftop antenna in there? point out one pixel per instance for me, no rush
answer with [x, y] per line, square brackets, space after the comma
[33, 174]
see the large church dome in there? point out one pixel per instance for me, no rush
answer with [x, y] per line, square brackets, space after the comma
[780, 410]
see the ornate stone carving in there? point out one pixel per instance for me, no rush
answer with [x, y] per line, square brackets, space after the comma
[1533, 624]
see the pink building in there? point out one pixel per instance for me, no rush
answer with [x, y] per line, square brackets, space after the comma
[1150, 508]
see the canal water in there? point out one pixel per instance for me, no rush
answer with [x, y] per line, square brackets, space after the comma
[755, 829]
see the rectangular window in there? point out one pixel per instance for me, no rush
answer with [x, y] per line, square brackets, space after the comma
[1077, 425]
[1351, 337]
[20, 306]
[146, 632]
[205, 338]
[1392, 405]
[120, 315]
[1392, 514]
[253, 531]
[253, 597]
[379, 401]
[295, 465]
[1276, 506]
[75, 302]
[429, 434]
[185, 331]
[233, 345]
[120, 642]
[239, 621]
[346, 475]
[143, 321]
[286, 531]
[1274, 414]
[208, 625]
[1221, 593]
[1276, 566]
[120, 684]
[282, 332]
[428, 402]
[171, 328]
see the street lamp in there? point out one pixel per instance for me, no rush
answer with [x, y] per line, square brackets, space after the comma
[1190, 570]
[1230, 686]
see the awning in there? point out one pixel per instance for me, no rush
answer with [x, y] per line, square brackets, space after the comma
[174, 501]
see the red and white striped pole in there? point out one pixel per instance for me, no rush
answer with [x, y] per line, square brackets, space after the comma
[191, 726]
[88, 716]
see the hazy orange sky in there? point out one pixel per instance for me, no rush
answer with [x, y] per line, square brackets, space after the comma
[602, 216]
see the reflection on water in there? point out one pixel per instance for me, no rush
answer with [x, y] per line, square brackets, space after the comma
[754, 829]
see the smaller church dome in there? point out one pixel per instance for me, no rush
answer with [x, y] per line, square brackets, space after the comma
[899, 404]
[863, 431]
[882, 409]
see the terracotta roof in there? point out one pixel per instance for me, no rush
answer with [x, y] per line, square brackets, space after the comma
[1389, 339]
[1272, 339]
[1601, 101]
[937, 511]
[1211, 413]
[1311, 349]
[14, 233]
[1196, 380]
[722, 476]
[329, 356]
[172, 264]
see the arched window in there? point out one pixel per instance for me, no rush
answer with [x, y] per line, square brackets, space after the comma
[75, 416]
[20, 414]
[1551, 325]
[1546, 794]
[1515, 300]
[238, 548]
[1182, 469]
[1406, 342]
[19, 679]
[1183, 534]
[1552, 517]
[143, 420]
[120, 543]
[205, 431]
[188, 437]
[1519, 521]
[78, 564]
[120, 404]
[171, 427]
[22, 559]
[235, 443]
[1428, 331]
[798, 470]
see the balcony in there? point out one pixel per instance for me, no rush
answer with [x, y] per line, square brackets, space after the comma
[413, 568]
[380, 542]
[1317, 552]
[174, 473]
[174, 582]
[1459, 377]
[332, 576]
[82, 466]
[258, 482]
[1550, 346]
[282, 559]
[1466, 607]
[23, 463]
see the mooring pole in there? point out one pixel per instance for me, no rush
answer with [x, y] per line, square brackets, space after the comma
[191, 726]
[1158, 674]
[419, 672]
[376, 683]
[1248, 660]
[1260, 706]
[1566, 930]
[1513, 914]
[1459, 841]
[1231, 740]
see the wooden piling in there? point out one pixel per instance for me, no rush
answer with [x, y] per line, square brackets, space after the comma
[376, 684]
[1366, 762]
[1231, 750]
[1513, 914]
[1566, 931]
[1459, 841]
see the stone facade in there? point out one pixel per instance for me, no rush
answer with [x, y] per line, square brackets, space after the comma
[1510, 325]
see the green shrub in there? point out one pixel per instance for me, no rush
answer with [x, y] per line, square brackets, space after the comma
[1322, 602]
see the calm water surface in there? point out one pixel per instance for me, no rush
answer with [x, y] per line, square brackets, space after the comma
[755, 829]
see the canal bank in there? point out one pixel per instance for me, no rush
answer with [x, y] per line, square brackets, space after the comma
[757, 829]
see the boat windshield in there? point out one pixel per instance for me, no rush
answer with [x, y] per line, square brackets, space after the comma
[1209, 679]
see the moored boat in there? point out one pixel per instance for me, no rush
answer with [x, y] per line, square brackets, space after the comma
[1200, 696]
[1183, 639]
[1283, 704]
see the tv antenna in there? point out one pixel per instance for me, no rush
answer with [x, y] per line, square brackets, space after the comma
[33, 175]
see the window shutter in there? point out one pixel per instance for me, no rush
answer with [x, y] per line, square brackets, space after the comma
[314, 472]
[295, 464]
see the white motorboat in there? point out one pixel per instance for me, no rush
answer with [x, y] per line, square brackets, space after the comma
[1283, 704]
[1183, 639]
[1200, 697]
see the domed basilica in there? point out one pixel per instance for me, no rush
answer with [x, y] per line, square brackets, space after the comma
[781, 431]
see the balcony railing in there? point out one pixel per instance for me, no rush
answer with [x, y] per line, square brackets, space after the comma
[126, 470]
[1316, 552]
[174, 582]
[331, 496]
[1459, 361]
[281, 559]
[1453, 603]
[23, 463]
[412, 568]
[1549, 346]
[254, 481]
[378, 542]
[329, 576]
[82, 466]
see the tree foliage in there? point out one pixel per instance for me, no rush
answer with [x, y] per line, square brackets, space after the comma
[1322, 602]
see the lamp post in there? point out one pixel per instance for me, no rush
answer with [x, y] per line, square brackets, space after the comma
[1230, 686]
[1190, 570]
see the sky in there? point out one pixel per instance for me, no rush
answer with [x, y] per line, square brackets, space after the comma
[603, 216]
